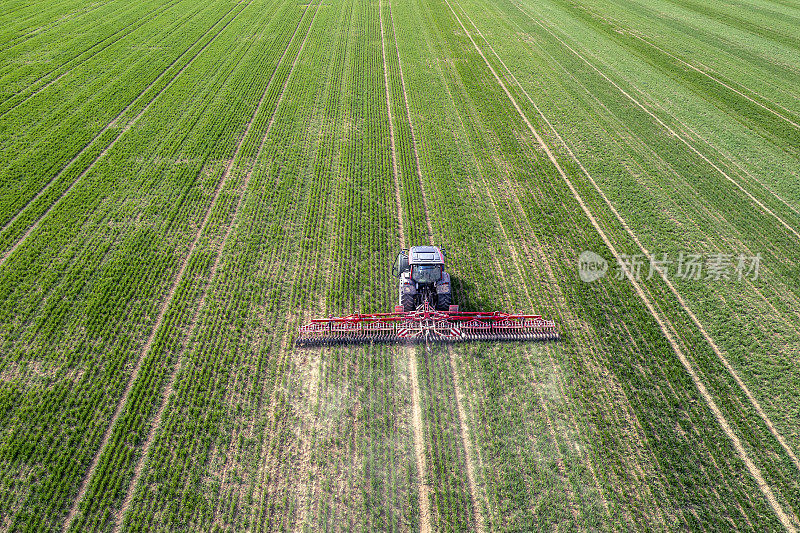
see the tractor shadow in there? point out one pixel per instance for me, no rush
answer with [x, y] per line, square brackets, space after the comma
[465, 294]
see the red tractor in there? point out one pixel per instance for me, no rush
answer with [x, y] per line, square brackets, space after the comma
[422, 278]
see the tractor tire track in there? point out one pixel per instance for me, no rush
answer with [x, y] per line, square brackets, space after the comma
[107, 127]
[114, 121]
[689, 132]
[684, 305]
[734, 163]
[416, 407]
[666, 328]
[517, 263]
[424, 196]
[666, 127]
[170, 294]
[480, 524]
[408, 352]
[419, 439]
[396, 170]
[40, 84]
[200, 305]
[193, 323]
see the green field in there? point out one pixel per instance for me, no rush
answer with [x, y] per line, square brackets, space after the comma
[183, 183]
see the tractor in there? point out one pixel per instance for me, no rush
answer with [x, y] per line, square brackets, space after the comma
[422, 278]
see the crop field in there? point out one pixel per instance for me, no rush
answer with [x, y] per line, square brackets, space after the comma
[183, 183]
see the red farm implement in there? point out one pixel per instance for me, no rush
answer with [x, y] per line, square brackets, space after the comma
[426, 324]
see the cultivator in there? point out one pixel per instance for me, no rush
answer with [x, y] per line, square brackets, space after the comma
[426, 324]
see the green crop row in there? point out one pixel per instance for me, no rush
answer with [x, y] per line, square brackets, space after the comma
[117, 296]
[39, 147]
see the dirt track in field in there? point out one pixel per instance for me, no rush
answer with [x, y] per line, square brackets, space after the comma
[665, 328]
[411, 128]
[416, 399]
[480, 524]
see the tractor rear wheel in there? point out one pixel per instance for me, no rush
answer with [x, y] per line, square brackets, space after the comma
[443, 301]
[407, 301]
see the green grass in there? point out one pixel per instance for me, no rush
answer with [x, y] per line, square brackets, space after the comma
[125, 127]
